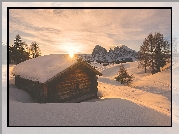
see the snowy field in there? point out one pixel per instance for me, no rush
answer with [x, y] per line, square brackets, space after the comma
[152, 91]
[146, 104]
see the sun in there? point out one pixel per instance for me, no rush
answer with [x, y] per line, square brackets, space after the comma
[71, 54]
[71, 49]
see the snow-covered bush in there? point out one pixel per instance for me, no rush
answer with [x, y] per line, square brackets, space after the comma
[123, 76]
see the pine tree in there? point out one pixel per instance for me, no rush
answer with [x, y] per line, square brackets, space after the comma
[123, 76]
[144, 55]
[161, 51]
[17, 52]
[153, 52]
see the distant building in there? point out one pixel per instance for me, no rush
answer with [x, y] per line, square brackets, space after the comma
[105, 64]
[127, 59]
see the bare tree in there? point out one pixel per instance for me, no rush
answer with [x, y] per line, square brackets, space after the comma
[35, 50]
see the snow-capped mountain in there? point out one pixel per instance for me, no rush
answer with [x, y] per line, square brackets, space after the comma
[117, 53]
[123, 51]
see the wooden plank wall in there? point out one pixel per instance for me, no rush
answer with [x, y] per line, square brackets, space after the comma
[76, 83]
[81, 81]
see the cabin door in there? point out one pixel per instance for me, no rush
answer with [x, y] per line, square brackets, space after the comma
[77, 89]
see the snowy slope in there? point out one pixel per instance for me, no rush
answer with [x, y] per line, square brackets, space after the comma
[97, 112]
[159, 83]
[154, 101]
[144, 89]
[119, 106]
[111, 70]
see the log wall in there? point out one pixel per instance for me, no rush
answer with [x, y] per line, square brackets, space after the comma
[77, 83]
[80, 82]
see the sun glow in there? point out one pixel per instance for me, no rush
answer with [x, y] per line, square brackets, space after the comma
[71, 54]
[71, 49]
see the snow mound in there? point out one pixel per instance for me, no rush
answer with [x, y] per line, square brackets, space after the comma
[18, 95]
[44, 67]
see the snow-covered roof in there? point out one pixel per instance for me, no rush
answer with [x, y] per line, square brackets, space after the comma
[44, 67]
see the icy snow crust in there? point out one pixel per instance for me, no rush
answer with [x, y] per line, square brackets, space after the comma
[44, 67]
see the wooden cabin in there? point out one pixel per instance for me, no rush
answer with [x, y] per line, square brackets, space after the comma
[105, 64]
[127, 59]
[75, 83]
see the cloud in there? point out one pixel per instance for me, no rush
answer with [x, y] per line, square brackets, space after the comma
[88, 27]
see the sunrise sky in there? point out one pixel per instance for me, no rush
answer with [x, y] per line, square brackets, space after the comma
[79, 30]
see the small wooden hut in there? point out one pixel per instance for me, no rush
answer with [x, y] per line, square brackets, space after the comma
[74, 82]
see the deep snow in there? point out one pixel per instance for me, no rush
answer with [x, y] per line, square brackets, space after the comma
[119, 106]
[152, 91]
[109, 112]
